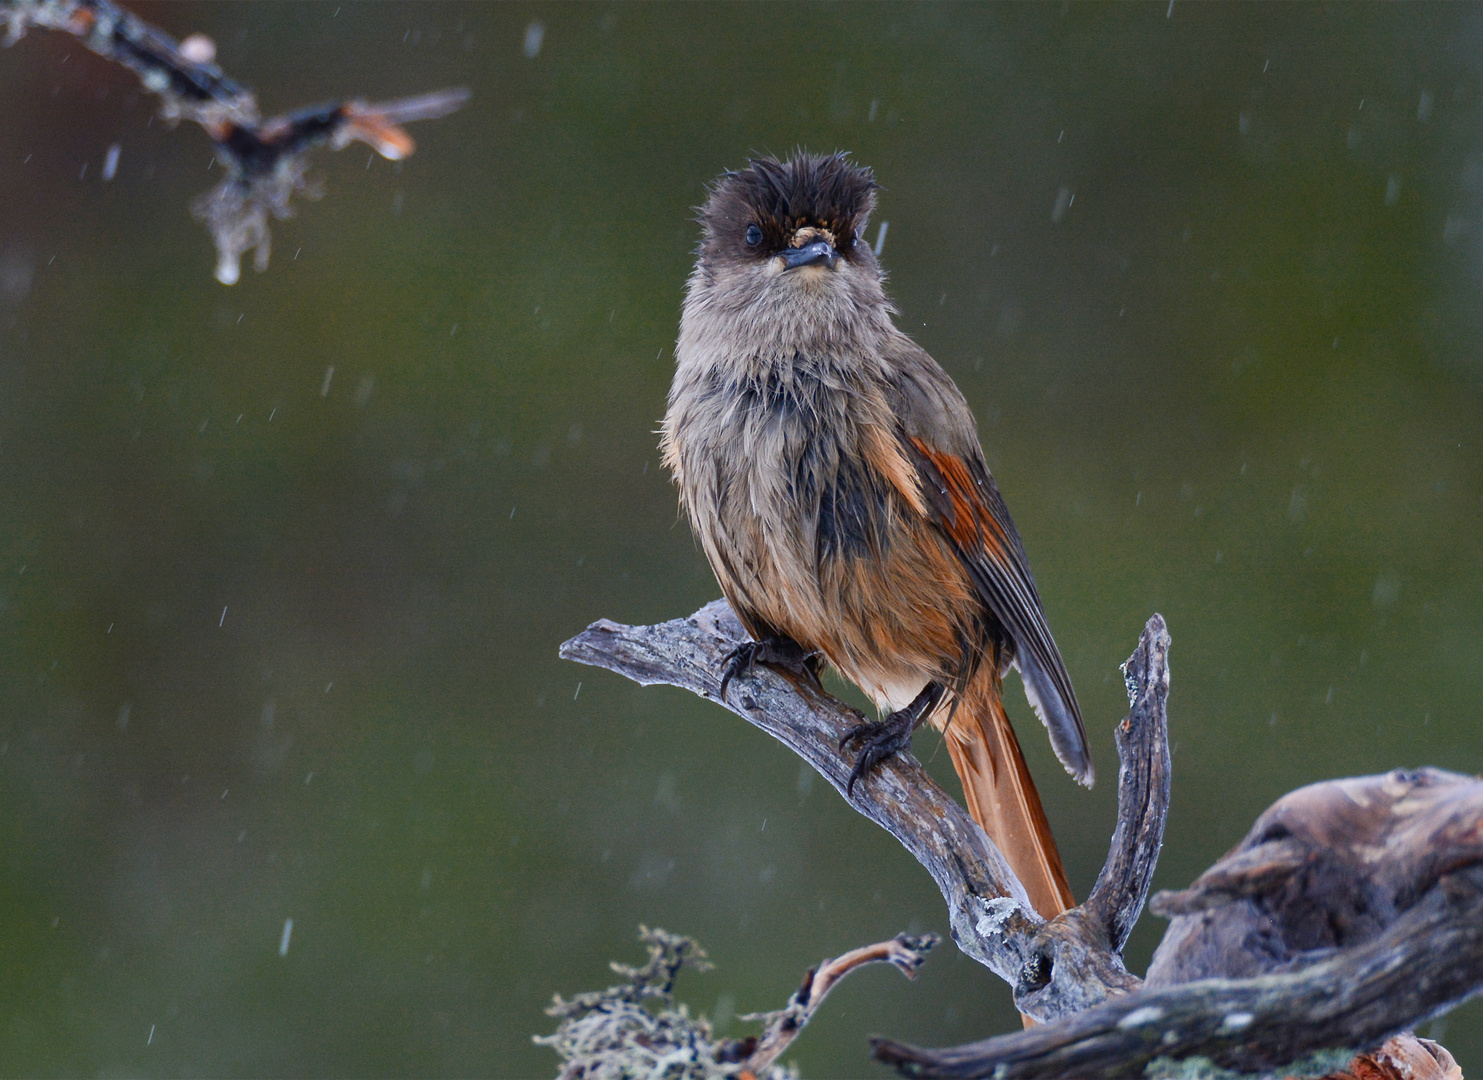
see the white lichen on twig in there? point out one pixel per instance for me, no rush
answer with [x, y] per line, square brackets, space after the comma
[636, 1029]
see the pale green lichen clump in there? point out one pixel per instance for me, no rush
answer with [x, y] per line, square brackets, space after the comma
[636, 1029]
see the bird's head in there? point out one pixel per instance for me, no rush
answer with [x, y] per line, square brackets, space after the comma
[794, 227]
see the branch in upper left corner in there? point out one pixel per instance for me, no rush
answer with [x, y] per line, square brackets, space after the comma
[265, 161]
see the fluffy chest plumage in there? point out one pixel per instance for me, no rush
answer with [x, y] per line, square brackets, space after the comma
[776, 464]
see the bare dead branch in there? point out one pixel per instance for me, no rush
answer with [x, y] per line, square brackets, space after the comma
[189, 89]
[264, 161]
[1325, 867]
[903, 952]
[1055, 968]
[1412, 841]
[1116, 899]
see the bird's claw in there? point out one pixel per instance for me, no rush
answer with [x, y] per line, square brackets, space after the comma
[879, 741]
[741, 659]
[892, 735]
[774, 651]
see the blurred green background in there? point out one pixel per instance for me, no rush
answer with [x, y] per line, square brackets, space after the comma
[1211, 278]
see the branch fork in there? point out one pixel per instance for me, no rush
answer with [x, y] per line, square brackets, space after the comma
[1392, 864]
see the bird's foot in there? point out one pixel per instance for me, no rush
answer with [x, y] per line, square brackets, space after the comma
[777, 651]
[878, 741]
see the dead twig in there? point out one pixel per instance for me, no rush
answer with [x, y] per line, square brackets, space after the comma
[264, 161]
[1309, 1022]
[903, 952]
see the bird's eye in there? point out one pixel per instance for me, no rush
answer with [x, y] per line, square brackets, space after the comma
[754, 235]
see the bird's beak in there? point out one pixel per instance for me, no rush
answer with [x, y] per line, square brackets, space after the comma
[820, 251]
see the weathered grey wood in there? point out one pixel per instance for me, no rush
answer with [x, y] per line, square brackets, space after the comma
[1117, 897]
[1326, 867]
[1055, 968]
[1350, 910]
[1308, 1022]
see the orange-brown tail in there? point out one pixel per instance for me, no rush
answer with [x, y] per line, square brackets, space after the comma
[1000, 794]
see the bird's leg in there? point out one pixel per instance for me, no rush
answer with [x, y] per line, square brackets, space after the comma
[774, 650]
[880, 740]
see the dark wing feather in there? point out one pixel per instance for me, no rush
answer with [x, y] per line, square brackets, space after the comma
[939, 438]
[965, 504]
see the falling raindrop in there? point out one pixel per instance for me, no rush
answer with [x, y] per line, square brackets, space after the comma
[1062, 204]
[535, 34]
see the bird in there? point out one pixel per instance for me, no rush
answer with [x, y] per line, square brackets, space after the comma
[832, 473]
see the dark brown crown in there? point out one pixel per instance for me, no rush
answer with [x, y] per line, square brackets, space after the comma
[825, 191]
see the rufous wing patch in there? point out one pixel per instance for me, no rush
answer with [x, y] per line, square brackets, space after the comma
[968, 520]
[883, 453]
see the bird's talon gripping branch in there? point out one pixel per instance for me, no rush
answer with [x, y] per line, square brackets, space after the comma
[740, 660]
[892, 735]
[879, 741]
[777, 652]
